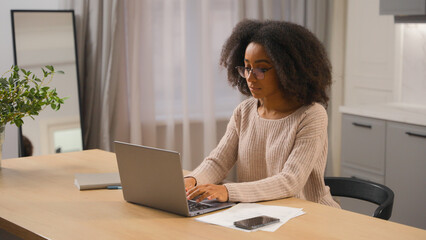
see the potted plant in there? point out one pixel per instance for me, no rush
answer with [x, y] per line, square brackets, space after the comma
[23, 94]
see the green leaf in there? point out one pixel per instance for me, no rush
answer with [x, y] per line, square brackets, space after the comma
[61, 72]
[61, 100]
[15, 75]
[19, 122]
[50, 67]
[44, 72]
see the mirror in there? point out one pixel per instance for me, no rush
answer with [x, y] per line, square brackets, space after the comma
[43, 38]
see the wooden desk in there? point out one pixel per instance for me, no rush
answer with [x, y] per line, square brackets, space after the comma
[38, 200]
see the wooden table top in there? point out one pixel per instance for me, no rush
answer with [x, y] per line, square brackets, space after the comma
[38, 200]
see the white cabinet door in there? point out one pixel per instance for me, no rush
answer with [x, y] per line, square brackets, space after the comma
[363, 143]
[406, 172]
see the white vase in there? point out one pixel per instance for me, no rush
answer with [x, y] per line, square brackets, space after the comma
[2, 130]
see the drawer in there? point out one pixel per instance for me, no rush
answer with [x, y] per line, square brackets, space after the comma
[348, 171]
[363, 143]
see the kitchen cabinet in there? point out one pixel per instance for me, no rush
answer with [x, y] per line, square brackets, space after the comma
[363, 144]
[390, 153]
[406, 172]
[402, 7]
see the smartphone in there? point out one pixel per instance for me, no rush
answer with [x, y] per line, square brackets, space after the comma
[256, 222]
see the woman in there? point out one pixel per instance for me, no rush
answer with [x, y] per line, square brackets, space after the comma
[277, 138]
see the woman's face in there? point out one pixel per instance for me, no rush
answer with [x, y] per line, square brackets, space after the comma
[268, 87]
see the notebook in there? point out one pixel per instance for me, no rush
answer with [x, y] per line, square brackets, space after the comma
[153, 177]
[86, 181]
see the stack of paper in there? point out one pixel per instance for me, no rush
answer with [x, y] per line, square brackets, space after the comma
[85, 181]
[248, 210]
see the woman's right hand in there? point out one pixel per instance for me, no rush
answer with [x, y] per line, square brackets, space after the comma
[190, 182]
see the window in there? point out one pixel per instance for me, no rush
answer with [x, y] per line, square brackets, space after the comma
[168, 62]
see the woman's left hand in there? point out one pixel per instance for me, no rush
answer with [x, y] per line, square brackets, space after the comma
[208, 191]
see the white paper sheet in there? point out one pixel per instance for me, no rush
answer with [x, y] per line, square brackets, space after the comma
[248, 210]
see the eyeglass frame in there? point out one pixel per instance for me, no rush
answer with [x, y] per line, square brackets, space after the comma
[250, 71]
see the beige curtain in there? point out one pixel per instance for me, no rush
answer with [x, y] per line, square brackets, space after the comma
[309, 13]
[96, 23]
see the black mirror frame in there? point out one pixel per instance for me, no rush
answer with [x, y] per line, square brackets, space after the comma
[20, 139]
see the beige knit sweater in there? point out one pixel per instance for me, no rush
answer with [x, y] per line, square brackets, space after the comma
[275, 158]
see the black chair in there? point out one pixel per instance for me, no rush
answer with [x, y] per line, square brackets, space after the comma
[363, 190]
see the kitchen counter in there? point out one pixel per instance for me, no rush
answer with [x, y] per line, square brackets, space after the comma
[397, 112]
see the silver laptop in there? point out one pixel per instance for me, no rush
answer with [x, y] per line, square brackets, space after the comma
[153, 177]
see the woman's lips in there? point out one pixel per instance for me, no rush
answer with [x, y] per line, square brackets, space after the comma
[254, 89]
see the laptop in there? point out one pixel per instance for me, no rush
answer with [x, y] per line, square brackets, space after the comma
[153, 177]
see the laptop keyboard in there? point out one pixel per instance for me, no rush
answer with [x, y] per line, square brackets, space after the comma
[194, 206]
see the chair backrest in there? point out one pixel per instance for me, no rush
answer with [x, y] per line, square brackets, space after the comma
[363, 190]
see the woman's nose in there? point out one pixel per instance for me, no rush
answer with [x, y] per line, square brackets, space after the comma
[251, 77]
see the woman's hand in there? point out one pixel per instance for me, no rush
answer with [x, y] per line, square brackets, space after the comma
[208, 191]
[190, 182]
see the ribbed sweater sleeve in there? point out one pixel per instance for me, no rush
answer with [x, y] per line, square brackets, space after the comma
[216, 166]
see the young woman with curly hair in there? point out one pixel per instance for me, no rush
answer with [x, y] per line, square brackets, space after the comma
[278, 137]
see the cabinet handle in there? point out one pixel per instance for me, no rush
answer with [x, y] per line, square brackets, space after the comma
[415, 134]
[361, 125]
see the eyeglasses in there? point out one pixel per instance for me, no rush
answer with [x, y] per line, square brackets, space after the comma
[259, 73]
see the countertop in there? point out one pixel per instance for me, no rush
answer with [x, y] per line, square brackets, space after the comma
[398, 112]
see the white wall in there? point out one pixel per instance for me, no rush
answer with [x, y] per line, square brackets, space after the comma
[371, 50]
[10, 147]
[413, 77]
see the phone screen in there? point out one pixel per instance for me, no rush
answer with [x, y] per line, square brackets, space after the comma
[256, 222]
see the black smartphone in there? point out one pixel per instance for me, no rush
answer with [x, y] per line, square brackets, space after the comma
[256, 222]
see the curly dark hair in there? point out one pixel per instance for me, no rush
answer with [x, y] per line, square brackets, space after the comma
[299, 58]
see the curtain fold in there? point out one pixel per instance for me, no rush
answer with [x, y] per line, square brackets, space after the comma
[209, 116]
[186, 127]
[168, 75]
[139, 62]
[96, 22]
